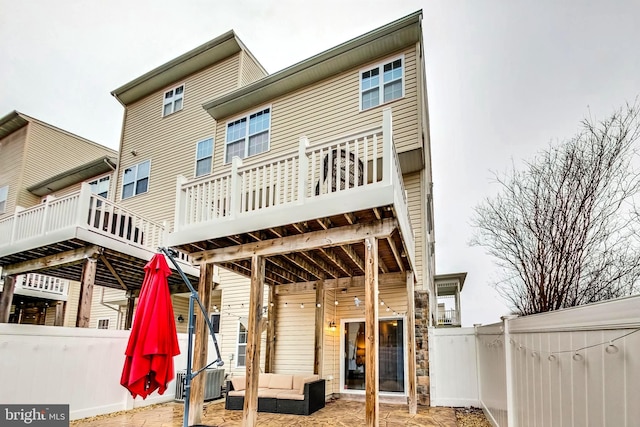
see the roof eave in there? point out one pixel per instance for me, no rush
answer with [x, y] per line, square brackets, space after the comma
[11, 123]
[73, 176]
[184, 65]
[374, 44]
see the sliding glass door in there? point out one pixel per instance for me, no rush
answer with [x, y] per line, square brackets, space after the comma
[390, 357]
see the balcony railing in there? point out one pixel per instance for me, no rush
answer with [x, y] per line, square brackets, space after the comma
[449, 318]
[42, 285]
[84, 210]
[365, 160]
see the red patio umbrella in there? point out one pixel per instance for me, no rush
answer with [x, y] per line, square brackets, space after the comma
[153, 341]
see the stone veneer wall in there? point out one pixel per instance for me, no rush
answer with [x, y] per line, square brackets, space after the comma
[422, 346]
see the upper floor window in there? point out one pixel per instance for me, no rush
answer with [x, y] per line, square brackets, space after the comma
[381, 84]
[4, 193]
[135, 179]
[101, 186]
[204, 154]
[248, 135]
[173, 100]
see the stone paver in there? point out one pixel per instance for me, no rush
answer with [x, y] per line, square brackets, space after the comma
[339, 413]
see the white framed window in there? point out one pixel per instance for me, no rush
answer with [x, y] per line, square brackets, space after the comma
[100, 186]
[248, 135]
[241, 352]
[103, 323]
[172, 100]
[382, 83]
[4, 194]
[135, 179]
[204, 156]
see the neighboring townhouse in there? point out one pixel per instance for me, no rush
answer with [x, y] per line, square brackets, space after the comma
[63, 235]
[39, 163]
[300, 178]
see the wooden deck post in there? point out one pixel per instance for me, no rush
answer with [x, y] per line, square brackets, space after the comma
[272, 314]
[250, 407]
[412, 398]
[319, 333]
[86, 292]
[200, 345]
[131, 302]
[59, 319]
[6, 298]
[371, 331]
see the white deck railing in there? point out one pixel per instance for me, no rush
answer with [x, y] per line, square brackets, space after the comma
[42, 285]
[334, 167]
[449, 317]
[84, 210]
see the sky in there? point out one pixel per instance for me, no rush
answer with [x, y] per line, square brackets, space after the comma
[504, 78]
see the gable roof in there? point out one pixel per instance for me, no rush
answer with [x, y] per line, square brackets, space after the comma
[213, 51]
[374, 44]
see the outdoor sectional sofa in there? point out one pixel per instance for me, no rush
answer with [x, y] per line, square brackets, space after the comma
[301, 394]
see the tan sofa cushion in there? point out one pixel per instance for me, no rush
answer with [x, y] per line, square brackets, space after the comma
[273, 392]
[300, 380]
[238, 383]
[281, 381]
[290, 395]
[264, 379]
[236, 392]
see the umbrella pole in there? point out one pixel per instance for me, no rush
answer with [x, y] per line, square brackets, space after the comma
[193, 297]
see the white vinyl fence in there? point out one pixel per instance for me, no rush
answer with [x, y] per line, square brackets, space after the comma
[76, 366]
[569, 368]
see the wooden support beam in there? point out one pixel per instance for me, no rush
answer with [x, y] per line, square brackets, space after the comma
[396, 253]
[371, 331]
[86, 292]
[114, 273]
[6, 298]
[200, 346]
[312, 240]
[252, 367]
[348, 250]
[59, 319]
[131, 302]
[68, 257]
[341, 283]
[319, 332]
[351, 253]
[272, 315]
[412, 396]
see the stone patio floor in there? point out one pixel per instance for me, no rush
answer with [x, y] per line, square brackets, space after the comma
[342, 413]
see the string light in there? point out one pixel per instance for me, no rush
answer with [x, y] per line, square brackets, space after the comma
[576, 354]
[301, 305]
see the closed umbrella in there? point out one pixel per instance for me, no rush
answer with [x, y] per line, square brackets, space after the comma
[153, 341]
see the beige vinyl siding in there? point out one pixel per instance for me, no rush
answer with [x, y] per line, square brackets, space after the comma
[235, 293]
[250, 70]
[331, 109]
[50, 316]
[181, 307]
[415, 201]
[71, 309]
[11, 161]
[103, 307]
[295, 334]
[51, 151]
[170, 141]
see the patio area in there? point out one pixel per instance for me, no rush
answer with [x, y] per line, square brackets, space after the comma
[335, 413]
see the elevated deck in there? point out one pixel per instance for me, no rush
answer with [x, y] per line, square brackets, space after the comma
[56, 236]
[319, 202]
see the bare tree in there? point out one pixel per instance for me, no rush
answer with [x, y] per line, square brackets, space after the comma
[564, 229]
